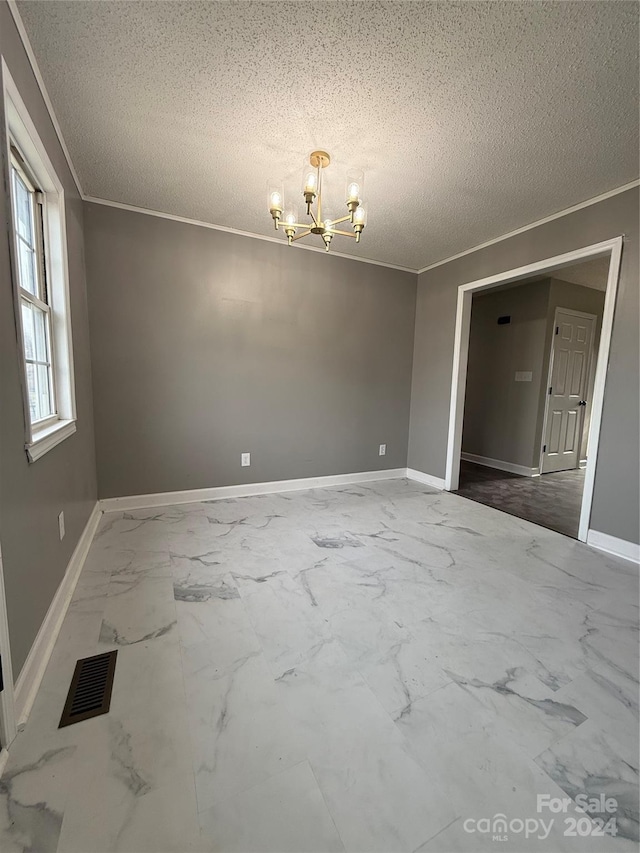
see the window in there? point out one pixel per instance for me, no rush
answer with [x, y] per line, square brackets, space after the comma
[35, 311]
[40, 274]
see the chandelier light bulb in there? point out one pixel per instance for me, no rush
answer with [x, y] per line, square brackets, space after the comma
[353, 192]
[359, 221]
[290, 220]
[310, 185]
[355, 181]
[276, 197]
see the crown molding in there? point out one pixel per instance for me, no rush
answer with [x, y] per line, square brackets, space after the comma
[13, 8]
[149, 212]
[558, 215]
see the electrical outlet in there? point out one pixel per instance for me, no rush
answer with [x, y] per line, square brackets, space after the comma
[245, 459]
[61, 525]
[383, 450]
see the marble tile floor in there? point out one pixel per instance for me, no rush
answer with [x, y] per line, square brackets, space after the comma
[380, 667]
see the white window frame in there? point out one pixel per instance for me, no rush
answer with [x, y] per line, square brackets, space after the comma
[20, 133]
[40, 300]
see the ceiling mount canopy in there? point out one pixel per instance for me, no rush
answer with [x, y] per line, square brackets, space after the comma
[312, 193]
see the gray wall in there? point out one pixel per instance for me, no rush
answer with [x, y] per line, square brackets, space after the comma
[32, 495]
[500, 414]
[206, 344]
[616, 504]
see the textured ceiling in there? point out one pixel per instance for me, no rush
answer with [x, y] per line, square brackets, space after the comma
[471, 119]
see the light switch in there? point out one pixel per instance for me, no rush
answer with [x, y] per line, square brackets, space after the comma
[524, 375]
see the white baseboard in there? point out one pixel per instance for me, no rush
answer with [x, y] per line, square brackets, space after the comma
[427, 479]
[31, 675]
[500, 465]
[613, 545]
[220, 493]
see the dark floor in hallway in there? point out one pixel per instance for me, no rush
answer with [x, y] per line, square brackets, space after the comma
[552, 500]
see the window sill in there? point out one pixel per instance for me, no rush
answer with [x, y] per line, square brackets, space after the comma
[46, 439]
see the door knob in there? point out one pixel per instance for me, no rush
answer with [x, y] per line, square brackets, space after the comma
[582, 403]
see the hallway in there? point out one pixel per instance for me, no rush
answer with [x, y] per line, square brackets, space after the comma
[552, 500]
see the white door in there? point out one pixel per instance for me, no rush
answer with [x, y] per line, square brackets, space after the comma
[566, 397]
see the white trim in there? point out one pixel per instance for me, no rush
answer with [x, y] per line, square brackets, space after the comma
[511, 467]
[582, 464]
[280, 241]
[43, 89]
[48, 438]
[613, 545]
[31, 675]
[538, 222]
[597, 404]
[458, 389]
[4, 757]
[427, 479]
[8, 726]
[461, 353]
[220, 493]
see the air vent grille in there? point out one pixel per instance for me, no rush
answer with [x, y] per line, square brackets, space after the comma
[90, 691]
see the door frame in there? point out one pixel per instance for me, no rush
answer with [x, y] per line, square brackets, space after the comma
[461, 354]
[574, 313]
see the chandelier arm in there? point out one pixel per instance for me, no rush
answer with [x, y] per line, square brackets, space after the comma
[343, 233]
[282, 224]
[315, 221]
[304, 234]
[338, 221]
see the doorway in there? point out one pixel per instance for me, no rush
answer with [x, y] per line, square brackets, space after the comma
[529, 378]
[535, 453]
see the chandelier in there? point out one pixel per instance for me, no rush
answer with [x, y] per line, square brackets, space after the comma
[312, 192]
